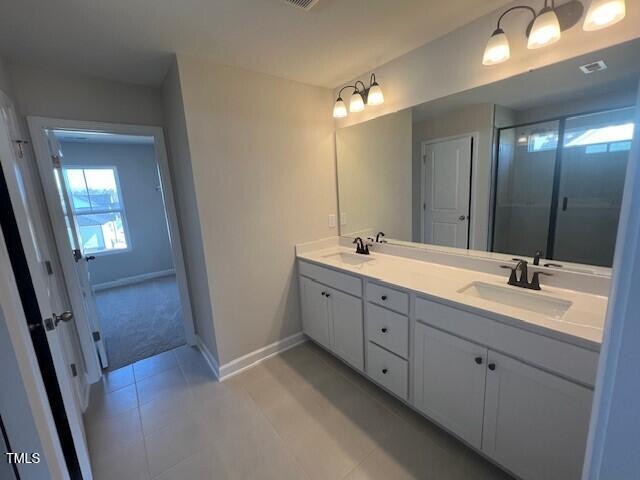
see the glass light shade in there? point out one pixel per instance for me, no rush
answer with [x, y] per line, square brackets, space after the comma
[339, 109]
[375, 95]
[545, 30]
[356, 104]
[604, 13]
[497, 50]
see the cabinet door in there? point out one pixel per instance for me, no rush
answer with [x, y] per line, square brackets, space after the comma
[347, 327]
[315, 313]
[535, 423]
[449, 378]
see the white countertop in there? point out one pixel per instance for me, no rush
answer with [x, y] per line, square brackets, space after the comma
[581, 325]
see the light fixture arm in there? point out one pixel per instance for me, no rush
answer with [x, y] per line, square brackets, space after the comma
[519, 7]
[355, 89]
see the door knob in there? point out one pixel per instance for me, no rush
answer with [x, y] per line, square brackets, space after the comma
[63, 317]
[462, 217]
[478, 360]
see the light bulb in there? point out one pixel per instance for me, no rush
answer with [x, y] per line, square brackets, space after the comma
[339, 109]
[375, 95]
[545, 30]
[604, 13]
[356, 104]
[497, 50]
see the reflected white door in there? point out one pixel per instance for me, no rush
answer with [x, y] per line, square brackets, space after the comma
[446, 192]
[27, 220]
[74, 263]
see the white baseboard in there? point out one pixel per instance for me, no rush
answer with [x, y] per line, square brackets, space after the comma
[208, 356]
[121, 282]
[222, 372]
[250, 359]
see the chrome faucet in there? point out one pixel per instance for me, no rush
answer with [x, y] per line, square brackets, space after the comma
[523, 281]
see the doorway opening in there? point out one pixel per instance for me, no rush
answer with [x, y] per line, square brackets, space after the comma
[114, 223]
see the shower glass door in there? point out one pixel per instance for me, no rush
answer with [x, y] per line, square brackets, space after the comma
[562, 197]
[524, 187]
[595, 150]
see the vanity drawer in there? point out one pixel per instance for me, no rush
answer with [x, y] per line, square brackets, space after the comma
[564, 359]
[337, 280]
[388, 297]
[388, 329]
[387, 369]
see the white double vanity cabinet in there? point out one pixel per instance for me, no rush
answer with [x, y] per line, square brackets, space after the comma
[505, 380]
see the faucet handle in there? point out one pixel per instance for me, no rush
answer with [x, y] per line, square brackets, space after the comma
[512, 277]
[535, 279]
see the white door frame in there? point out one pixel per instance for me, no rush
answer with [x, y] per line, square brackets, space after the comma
[472, 181]
[37, 125]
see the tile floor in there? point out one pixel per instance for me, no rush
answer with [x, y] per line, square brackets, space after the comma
[299, 415]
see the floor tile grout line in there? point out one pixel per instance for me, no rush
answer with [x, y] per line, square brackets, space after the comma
[275, 431]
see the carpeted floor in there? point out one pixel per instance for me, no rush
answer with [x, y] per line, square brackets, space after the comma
[140, 320]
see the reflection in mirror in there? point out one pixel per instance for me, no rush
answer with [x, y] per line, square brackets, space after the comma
[533, 163]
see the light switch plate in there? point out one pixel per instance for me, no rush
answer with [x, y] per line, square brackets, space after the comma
[332, 220]
[343, 218]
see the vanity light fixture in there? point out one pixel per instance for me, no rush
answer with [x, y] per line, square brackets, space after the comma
[360, 97]
[604, 13]
[545, 29]
[547, 25]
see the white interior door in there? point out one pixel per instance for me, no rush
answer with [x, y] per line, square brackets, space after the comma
[447, 192]
[28, 227]
[73, 262]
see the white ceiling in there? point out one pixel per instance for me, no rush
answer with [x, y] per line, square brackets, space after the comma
[133, 40]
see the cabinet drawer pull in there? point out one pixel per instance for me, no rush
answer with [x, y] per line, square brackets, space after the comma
[384, 329]
[479, 360]
[383, 297]
[384, 371]
[327, 295]
[492, 366]
[324, 293]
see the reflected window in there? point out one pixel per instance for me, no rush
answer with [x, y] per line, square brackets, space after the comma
[97, 208]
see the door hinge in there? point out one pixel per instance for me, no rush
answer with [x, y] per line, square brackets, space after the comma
[55, 160]
[96, 336]
[20, 148]
[74, 370]
[48, 267]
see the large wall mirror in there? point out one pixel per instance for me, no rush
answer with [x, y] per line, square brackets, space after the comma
[533, 163]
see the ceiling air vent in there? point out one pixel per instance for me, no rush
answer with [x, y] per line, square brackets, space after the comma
[593, 67]
[303, 4]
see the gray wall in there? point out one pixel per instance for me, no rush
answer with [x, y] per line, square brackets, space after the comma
[50, 93]
[187, 209]
[262, 151]
[138, 173]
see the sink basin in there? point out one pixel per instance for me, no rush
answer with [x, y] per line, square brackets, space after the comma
[525, 300]
[349, 258]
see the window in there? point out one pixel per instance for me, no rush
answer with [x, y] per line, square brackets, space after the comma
[97, 207]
